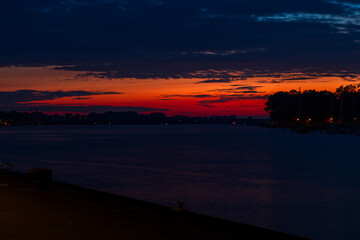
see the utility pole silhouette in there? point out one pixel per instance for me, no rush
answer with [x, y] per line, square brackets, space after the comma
[341, 109]
[299, 110]
[332, 107]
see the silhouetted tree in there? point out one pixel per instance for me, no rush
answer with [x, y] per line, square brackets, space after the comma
[315, 107]
[283, 107]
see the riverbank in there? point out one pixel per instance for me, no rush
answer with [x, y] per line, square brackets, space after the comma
[70, 212]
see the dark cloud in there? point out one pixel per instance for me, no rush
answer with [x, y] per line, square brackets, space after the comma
[343, 21]
[81, 98]
[83, 109]
[237, 89]
[23, 100]
[206, 105]
[90, 33]
[298, 78]
[220, 97]
[269, 81]
[187, 95]
[233, 97]
[221, 80]
[24, 96]
[166, 99]
[249, 88]
[215, 72]
[249, 106]
[247, 91]
[219, 72]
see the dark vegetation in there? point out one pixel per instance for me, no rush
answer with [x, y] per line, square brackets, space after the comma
[312, 107]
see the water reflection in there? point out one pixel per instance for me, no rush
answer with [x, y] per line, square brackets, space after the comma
[302, 184]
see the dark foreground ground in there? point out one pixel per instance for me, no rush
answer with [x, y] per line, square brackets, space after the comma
[69, 212]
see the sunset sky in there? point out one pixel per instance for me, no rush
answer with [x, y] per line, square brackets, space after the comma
[196, 58]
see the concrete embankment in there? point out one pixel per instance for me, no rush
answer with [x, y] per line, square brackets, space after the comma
[64, 211]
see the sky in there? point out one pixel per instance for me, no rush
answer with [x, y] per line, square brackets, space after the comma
[195, 58]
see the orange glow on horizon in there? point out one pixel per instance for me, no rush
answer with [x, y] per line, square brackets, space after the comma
[183, 96]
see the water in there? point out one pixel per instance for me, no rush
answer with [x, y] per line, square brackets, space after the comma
[306, 185]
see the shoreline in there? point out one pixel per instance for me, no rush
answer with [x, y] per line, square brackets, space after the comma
[66, 211]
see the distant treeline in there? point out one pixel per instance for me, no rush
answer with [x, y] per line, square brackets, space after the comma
[312, 107]
[108, 118]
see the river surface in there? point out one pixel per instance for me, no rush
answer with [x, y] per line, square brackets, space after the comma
[307, 185]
